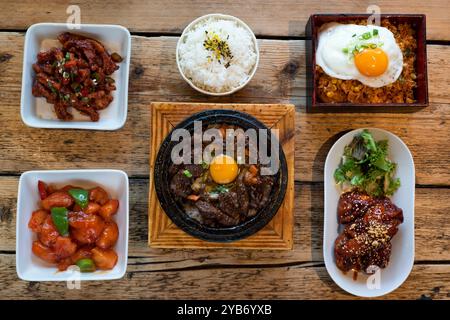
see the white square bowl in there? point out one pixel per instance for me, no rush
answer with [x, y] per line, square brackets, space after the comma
[115, 38]
[31, 268]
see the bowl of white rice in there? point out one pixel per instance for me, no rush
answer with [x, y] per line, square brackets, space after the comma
[217, 54]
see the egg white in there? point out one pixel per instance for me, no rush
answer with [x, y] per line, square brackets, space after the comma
[334, 37]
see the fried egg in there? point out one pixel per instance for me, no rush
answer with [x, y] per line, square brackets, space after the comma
[369, 54]
[223, 169]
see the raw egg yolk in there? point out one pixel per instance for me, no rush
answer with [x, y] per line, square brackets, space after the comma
[372, 62]
[223, 169]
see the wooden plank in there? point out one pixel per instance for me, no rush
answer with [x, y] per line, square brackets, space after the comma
[304, 281]
[432, 231]
[280, 78]
[172, 16]
[277, 234]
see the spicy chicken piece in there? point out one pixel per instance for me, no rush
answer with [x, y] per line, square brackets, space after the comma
[81, 253]
[109, 236]
[64, 264]
[91, 208]
[48, 232]
[38, 217]
[61, 111]
[57, 199]
[39, 90]
[85, 228]
[109, 209]
[44, 252]
[104, 259]
[90, 49]
[64, 247]
[98, 195]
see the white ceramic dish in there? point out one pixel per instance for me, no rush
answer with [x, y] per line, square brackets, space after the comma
[225, 17]
[31, 268]
[402, 257]
[37, 113]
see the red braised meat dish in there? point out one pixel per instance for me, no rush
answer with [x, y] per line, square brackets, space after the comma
[77, 76]
[222, 193]
[370, 223]
[75, 226]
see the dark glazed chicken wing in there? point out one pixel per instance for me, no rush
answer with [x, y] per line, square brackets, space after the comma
[353, 204]
[370, 225]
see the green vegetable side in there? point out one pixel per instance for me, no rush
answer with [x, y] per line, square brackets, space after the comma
[365, 165]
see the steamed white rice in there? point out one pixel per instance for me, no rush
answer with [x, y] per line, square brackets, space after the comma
[208, 73]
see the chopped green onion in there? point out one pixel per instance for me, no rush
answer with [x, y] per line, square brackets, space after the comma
[366, 35]
[96, 76]
[372, 46]
[220, 189]
[67, 55]
[407, 52]
[66, 75]
[345, 50]
[375, 32]
[76, 86]
[204, 165]
[187, 173]
[49, 84]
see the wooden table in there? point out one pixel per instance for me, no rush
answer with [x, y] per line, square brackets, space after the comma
[214, 274]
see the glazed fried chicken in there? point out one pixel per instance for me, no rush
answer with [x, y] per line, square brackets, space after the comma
[370, 224]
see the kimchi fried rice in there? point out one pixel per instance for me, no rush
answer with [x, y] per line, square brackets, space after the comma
[332, 90]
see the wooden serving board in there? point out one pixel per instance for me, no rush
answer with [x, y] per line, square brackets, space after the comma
[277, 234]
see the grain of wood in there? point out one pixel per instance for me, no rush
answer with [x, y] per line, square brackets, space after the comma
[432, 230]
[160, 16]
[280, 78]
[303, 281]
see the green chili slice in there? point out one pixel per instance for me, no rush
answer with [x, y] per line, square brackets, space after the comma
[366, 36]
[80, 196]
[86, 265]
[60, 220]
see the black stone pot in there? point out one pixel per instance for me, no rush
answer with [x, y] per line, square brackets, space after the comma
[174, 209]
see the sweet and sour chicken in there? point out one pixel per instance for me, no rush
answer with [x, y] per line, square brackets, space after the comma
[75, 226]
